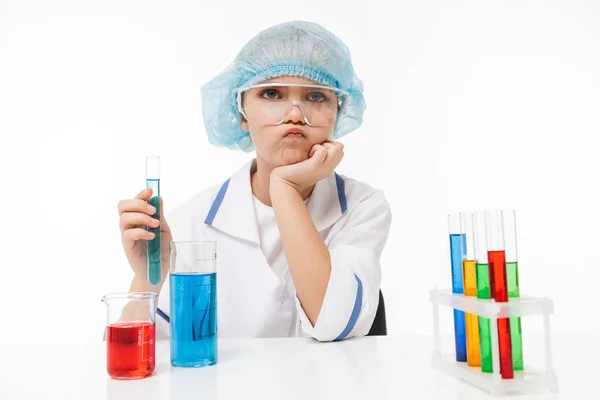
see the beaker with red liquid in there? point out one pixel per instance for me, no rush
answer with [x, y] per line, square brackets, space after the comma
[130, 334]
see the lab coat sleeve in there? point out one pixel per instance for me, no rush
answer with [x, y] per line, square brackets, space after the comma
[163, 313]
[352, 294]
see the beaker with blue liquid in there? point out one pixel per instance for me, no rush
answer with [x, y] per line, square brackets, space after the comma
[193, 296]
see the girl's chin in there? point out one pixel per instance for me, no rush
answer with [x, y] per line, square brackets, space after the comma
[293, 155]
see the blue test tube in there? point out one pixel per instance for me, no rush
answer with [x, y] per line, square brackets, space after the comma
[458, 250]
[153, 246]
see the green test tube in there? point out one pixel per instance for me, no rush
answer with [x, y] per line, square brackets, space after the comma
[153, 246]
[512, 283]
[483, 289]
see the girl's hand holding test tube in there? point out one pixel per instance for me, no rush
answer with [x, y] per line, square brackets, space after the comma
[134, 216]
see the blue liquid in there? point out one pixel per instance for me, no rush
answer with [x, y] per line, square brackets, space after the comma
[153, 252]
[193, 319]
[458, 248]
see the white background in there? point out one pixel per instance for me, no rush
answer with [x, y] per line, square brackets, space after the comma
[470, 105]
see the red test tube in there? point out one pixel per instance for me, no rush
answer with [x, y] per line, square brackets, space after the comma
[497, 270]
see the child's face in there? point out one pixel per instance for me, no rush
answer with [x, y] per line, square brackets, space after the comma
[275, 144]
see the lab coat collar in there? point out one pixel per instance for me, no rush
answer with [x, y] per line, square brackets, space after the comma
[233, 211]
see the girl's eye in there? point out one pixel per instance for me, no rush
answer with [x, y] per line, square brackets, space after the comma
[269, 94]
[317, 97]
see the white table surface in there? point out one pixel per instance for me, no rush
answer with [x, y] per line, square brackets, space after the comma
[391, 367]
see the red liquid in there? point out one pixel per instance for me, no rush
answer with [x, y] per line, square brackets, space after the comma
[130, 350]
[499, 292]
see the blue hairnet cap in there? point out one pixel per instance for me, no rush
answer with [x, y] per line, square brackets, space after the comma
[296, 48]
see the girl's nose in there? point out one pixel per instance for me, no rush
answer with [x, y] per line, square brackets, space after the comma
[295, 114]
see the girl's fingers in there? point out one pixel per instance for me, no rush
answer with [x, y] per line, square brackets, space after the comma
[144, 194]
[334, 149]
[314, 149]
[130, 220]
[319, 156]
[135, 205]
[328, 145]
[134, 234]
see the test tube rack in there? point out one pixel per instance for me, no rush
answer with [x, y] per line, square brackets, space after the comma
[528, 381]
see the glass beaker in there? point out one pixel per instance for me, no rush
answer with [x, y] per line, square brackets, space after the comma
[193, 291]
[130, 334]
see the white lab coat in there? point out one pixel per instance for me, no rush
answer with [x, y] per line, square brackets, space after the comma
[352, 218]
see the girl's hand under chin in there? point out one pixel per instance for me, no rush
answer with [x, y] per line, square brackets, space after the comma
[322, 160]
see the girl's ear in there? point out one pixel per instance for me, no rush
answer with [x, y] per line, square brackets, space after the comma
[244, 124]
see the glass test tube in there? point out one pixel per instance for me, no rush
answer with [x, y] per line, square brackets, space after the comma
[483, 289]
[153, 246]
[512, 283]
[470, 289]
[457, 250]
[494, 227]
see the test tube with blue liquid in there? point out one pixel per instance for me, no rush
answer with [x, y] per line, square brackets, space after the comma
[153, 246]
[457, 253]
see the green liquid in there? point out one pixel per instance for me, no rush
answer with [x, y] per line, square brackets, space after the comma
[485, 334]
[512, 283]
[154, 269]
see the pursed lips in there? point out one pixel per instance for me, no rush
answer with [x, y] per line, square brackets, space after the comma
[294, 133]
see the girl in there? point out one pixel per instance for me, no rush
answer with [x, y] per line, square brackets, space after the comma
[299, 245]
